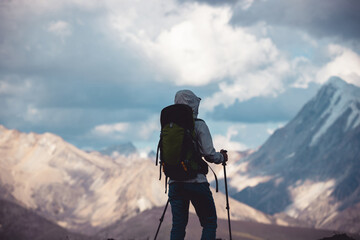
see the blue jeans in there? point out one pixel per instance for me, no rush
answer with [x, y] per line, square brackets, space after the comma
[180, 195]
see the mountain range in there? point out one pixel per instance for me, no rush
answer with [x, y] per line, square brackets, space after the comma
[86, 192]
[304, 175]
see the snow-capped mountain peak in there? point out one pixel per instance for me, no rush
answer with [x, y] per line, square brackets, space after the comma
[344, 99]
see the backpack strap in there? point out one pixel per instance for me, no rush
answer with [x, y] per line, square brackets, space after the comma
[184, 144]
[160, 171]
[216, 180]
[166, 181]
[157, 157]
[157, 152]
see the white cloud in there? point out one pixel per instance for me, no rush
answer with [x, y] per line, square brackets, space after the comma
[305, 71]
[60, 28]
[345, 64]
[270, 131]
[38, 7]
[195, 45]
[111, 129]
[19, 98]
[137, 130]
[33, 114]
[146, 129]
[245, 4]
[17, 85]
[204, 48]
[262, 82]
[226, 142]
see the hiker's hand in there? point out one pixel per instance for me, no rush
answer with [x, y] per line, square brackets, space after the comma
[224, 153]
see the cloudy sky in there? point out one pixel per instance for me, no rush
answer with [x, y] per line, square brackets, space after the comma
[98, 73]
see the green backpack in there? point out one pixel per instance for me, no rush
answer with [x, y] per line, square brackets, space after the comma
[180, 158]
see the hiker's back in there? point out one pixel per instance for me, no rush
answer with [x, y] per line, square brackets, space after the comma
[179, 152]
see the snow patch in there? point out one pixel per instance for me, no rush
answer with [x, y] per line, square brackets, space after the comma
[354, 118]
[278, 181]
[240, 182]
[239, 177]
[62, 224]
[143, 204]
[241, 168]
[304, 193]
[290, 155]
[48, 143]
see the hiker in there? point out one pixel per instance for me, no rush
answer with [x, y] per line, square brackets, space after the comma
[196, 190]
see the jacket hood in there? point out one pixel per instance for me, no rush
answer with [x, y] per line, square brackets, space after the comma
[189, 98]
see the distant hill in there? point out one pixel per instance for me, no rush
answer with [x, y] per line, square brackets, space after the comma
[19, 223]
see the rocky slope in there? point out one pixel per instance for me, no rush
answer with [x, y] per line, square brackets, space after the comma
[79, 191]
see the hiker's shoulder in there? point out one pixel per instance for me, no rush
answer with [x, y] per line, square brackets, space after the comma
[200, 124]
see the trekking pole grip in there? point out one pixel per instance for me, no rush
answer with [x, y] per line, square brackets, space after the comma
[224, 153]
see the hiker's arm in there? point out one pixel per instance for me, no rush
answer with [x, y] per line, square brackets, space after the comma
[206, 146]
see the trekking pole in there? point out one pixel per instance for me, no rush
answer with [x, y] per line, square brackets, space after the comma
[227, 198]
[161, 219]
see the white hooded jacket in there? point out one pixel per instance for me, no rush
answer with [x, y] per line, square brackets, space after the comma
[202, 133]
